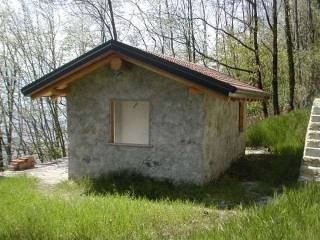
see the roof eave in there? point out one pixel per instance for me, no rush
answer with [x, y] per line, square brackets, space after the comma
[252, 95]
[114, 46]
[51, 77]
[148, 58]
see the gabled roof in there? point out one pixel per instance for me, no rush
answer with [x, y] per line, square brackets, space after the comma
[194, 73]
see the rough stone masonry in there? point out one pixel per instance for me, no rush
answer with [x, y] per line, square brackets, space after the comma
[193, 137]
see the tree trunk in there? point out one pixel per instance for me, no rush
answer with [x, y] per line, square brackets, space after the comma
[1, 154]
[311, 41]
[257, 56]
[205, 32]
[297, 42]
[290, 55]
[170, 28]
[312, 29]
[192, 31]
[114, 30]
[275, 96]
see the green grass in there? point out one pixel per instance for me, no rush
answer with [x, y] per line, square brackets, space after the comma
[219, 194]
[284, 135]
[26, 213]
[280, 133]
[293, 215]
[129, 206]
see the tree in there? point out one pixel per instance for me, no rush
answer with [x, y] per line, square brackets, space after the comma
[1, 154]
[274, 28]
[289, 42]
[257, 54]
[114, 30]
[102, 13]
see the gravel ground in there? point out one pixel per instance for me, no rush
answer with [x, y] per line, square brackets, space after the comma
[48, 173]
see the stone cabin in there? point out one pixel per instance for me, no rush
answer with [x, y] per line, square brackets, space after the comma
[130, 109]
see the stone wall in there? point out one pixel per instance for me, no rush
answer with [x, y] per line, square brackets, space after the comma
[185, 128]
[222, 140]
[175, 126]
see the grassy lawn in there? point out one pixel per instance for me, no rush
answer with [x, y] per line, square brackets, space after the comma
[65, 214]
[128, 206]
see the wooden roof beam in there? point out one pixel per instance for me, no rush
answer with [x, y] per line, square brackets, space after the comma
[115, 63]
[55, 93]
[64, 81]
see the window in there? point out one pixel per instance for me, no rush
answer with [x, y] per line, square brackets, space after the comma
[241, 116]
[130, 122]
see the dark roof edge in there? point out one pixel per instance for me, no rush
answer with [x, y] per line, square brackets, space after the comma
[60, 71]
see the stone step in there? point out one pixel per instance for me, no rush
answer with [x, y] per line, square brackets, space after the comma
[304, 178]
[315, 118]
[312, 152]
[311, 161]
[310, 168]
[313, 143]
[314, 126]
[315, 110]
[313, 135]
[310, 172]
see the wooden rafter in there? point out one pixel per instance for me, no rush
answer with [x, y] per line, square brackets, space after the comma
[65, 80]
[59, 88]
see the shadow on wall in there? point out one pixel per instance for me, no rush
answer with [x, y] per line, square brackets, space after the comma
[252, 180]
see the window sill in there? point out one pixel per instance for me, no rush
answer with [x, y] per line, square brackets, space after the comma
[130, 145]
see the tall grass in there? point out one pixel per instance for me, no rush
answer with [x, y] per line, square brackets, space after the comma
[280, 133]
[294, 215]
[26, 213]
[284, 135]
